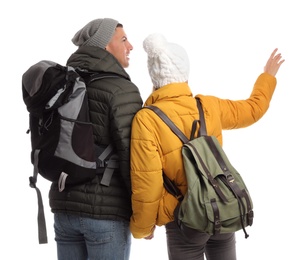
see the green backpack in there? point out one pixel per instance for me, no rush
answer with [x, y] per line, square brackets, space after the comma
[217, 200]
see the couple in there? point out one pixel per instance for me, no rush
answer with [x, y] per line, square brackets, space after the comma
[92, 221]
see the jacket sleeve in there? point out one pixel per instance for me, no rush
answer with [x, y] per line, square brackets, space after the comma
[233, 114]
[146, 177]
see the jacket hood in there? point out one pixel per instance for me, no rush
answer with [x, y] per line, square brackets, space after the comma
[169, 91]
[96, 59]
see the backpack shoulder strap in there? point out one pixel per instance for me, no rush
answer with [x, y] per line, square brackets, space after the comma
[202, 129]
[107, 159]
[90, 76]
[176, 130]
[169, 185]
[169, 123]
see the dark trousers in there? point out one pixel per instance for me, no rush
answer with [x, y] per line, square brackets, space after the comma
[194, 245]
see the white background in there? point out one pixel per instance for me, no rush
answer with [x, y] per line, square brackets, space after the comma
[228, 43]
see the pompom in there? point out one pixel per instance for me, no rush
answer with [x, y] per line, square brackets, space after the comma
[154, 44]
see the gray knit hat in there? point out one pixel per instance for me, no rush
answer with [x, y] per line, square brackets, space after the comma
[97, 33]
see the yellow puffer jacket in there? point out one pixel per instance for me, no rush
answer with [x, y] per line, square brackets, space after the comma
[154, 147]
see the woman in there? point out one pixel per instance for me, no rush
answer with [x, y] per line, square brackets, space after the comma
[154, 148]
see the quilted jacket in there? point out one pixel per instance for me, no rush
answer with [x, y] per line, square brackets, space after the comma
[113, 103]
[155, 148]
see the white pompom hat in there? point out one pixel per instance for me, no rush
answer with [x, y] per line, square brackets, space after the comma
[167, 62]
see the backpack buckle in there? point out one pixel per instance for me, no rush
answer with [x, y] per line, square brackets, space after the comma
[32, 182]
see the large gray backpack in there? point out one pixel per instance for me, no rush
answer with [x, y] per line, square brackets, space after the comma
[63, 149]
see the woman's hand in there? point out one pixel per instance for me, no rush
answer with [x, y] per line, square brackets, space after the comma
[150, 236]
[274, 62]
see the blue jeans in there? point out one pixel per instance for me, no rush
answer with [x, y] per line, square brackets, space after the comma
[80, 238]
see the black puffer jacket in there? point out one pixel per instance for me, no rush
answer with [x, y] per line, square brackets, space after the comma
[113, 103]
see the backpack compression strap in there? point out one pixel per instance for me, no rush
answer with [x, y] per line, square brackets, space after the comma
[42, 234]
[110, 165]
[229, 181]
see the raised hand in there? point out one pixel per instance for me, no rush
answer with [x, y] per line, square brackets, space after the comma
[274, 63]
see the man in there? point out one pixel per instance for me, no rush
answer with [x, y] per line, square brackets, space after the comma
[91, 220]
